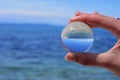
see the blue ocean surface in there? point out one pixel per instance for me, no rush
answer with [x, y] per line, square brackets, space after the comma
[77, 45]
[35, 52]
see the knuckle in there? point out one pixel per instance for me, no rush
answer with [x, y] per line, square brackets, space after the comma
[107, 61]
[107, 64]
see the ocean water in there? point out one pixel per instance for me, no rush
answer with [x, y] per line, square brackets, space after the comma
[34, 52]
[77, 45]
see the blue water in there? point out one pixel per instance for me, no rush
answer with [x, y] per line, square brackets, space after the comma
[77, 45]
[34, 52]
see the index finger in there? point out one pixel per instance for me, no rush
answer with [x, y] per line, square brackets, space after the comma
[105, 22]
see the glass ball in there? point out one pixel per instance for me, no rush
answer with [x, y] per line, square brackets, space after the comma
[77, 37]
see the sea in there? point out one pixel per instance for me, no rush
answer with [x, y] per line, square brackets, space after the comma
[35, 52]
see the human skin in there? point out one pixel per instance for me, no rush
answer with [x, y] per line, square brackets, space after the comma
[110, 59]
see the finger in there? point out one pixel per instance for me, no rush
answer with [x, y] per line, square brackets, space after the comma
[96, 13]
[79, 18]
[84, 18]
[101, 20]
[78, 13]
[105, 22]
[87, 59]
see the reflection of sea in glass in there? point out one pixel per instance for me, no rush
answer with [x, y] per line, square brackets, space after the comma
[77, 37]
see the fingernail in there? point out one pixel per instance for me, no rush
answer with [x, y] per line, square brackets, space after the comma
[71, 19]
[70, 58]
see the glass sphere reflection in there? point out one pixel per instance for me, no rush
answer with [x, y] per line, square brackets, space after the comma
[77, 37]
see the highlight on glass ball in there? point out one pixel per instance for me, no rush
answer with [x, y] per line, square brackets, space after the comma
[77, 37]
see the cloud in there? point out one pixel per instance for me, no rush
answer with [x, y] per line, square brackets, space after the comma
[23, 11]
[33, 8]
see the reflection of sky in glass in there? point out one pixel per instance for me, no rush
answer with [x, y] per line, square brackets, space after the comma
[77, 37]
[77, 45]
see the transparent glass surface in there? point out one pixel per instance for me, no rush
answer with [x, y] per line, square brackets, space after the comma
[77, 37]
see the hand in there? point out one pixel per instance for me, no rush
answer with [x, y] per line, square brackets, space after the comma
[110, 59]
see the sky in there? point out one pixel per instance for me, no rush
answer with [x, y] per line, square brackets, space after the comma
[53, 11]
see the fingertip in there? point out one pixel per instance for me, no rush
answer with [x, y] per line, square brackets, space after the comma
[78, 13]
[71, 20]
[70, 57]
[97, 13]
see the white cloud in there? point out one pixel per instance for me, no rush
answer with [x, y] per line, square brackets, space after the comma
[34, 13]
[33, 8]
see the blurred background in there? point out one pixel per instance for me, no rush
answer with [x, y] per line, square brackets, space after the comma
[30, 47]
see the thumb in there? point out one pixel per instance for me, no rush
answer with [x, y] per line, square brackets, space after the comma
[88, 59]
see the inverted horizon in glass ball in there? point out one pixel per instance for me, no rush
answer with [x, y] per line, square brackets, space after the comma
[77, 37]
